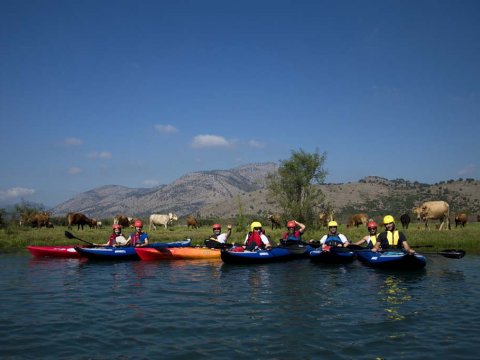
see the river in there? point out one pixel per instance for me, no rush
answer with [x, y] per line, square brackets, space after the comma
[79, 309]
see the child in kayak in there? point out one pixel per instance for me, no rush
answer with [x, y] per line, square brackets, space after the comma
[138, 238]
[292, 233]
[116, 238]
[371, 238]
[218, 239]
[256, 239]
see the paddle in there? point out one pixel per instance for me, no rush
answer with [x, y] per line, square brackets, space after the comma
[71, 236]
[449, 253]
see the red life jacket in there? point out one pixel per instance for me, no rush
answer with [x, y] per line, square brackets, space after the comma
[112, 239]
[254, 237]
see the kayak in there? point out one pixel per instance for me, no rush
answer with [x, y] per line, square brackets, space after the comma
[332, 255]
[256, 257]
[177, 253]
[54, 251]
[125, 253]
[392, 260]
[298, 249]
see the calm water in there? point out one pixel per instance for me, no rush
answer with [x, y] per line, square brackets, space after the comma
[73, 309]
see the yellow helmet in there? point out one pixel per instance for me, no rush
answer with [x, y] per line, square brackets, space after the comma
[388, 219]
[255, 224]
[332, 223]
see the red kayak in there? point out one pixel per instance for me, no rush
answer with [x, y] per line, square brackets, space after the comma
[54, 251]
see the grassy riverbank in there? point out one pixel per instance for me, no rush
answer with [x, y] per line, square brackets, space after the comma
[12, 238]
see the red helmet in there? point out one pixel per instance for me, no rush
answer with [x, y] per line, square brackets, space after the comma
[138, 223]
[217, 226]
[291, 224]
[116, 226]
[371, 224]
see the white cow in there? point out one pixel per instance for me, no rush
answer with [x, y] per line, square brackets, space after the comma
[160, 219]
[433, 210]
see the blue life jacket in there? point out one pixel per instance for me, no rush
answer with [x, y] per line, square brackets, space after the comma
[333, 240]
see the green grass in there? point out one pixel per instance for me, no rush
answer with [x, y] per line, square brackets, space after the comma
[14, 237]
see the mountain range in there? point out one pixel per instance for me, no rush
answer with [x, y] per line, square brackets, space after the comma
[225, 193]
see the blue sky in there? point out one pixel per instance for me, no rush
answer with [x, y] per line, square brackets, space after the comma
[139, 93]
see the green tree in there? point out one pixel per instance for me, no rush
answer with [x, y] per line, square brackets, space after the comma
[293, 186]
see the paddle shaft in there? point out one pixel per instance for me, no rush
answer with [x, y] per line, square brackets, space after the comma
[71, 236]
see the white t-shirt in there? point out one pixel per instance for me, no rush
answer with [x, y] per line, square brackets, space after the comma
[222, 238]
[120, 240]
[342, 237]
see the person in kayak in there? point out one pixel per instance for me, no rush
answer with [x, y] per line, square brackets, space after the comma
[256, 238]
[334, 238]
[116, 237]
[371, 238]
[138, 238]
[293, 233]
[218, 239]
[391, 238]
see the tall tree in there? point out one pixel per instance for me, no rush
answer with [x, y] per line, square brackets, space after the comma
[294, 185]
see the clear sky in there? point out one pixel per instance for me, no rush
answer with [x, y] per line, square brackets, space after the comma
[139, 93]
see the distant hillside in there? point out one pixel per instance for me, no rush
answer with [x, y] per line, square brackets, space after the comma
[184, 196]
[221, 194]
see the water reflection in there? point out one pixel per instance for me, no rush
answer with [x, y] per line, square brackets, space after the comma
[394, 294]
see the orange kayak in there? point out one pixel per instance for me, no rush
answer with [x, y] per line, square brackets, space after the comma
[180, 253]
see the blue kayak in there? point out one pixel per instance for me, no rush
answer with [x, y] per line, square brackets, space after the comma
[256, 257]
[392, 260]
[124, 253]
[333, 255]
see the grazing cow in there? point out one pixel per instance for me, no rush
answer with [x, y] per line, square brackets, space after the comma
[433, 210]
[36, 219]
[159, 219]
[324, 218]
[276, 220]
[357, 220]
[192, 222]
[405, 220]
[461, 219]
[78, 219]
[123, 220]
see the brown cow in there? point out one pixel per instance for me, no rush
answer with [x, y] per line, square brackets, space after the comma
[357, 220]
[192, 222]
[37, 219]
[276, 220]
[434, 210]
[461, 219]
[123, 220]
[78, 219]
[324, 218]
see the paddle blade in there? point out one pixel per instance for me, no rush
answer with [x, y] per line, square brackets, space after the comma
[452, 253]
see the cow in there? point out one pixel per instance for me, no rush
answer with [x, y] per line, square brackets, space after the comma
[38, 219]
[123, 220]
[276, 220]
[357, 220]
[433, 210]
[160, 219]
[461, 219]
[405, 220]
[192, 222]
[324, 218]
[78, 219]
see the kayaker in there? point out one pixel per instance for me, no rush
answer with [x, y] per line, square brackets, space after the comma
[116, 237]
[293, 233]
[218, 239]
[371, 238]
[138, 238]
[391, 238]
[333, 238]
[256, 238]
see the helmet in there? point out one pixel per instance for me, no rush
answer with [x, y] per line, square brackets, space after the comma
[388, 219]
[291, 224]
[138, 223]
[216, 226]
[332, 223]
[116, 226]
[255, 224]
[372, 224]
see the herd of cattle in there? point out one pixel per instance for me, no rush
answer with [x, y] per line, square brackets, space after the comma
[430, 210]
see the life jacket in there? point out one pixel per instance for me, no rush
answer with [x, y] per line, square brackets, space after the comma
[392, 240]
[254, 238]
[372, 240]
[111, 240]
[296, 236]
[138, 238]
[333, 240]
